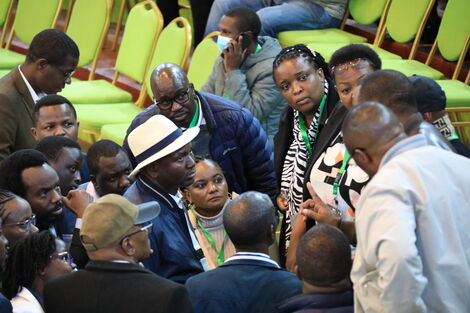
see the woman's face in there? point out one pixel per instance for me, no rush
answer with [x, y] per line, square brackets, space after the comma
[57, 266]
[209, 192]
[18, 220]
[300, 84]
[348, 79]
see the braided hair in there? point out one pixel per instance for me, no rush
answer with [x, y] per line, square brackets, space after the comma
[26, 258]
[302, 51]
[5, 197]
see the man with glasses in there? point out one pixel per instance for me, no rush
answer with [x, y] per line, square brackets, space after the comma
[114, 233]
[229, 134]
[50, 61]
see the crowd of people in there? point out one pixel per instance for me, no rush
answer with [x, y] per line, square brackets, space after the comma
[360, 166]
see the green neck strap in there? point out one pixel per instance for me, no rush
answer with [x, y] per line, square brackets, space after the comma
[220, 253]
[453, 136]
[303, 127]
[258, 49]
[196, 114]
[345, 163]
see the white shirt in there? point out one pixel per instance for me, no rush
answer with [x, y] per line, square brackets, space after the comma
[413, 234]
[33, 93]
[25, 302]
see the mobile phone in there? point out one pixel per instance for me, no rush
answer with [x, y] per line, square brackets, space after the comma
[246, 41]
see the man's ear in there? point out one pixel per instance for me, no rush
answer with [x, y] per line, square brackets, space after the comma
[362, 156]
[151, 170]
[78, 124]
[34, 132]
[427, 116]
[127, 246]
[41, 64]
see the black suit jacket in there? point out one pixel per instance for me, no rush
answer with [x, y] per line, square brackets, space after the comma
[115, 288]
[16, 120]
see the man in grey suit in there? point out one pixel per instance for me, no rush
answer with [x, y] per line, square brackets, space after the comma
[50, 62]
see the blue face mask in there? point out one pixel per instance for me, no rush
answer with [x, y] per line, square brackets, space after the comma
[222, 42]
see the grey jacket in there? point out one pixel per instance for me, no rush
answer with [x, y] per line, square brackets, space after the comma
[252, 85]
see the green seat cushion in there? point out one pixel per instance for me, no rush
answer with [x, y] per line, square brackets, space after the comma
[327, 50]
[4, 72]
[329, 35]
[457, 93]
[114, 132]
[10, 59]
[94, 116]
[94, 92]
[411, 67]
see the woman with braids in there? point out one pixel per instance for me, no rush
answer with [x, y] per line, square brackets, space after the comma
[303, 78]
[18, 221]
[206, 198]
[333, 182]
[31, 262]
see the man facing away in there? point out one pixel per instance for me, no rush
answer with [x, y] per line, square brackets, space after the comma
[115, 235]
[413, 240]
[229, 134]
[165, 164]
[50, 62]
[243, 72]
[249, 281]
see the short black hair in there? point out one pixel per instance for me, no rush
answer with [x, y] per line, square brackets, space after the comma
[324, 256]
[51, 100]
[26, 259]
[53, 45]
[355, 51]
[302, 51]
[247, 219]
[247, 20]
[51, 146]
[12, 167]
[5, 197]
[392, 89]
[102, 148]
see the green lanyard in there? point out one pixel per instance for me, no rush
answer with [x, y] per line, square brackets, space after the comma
[220, 253]
[196, 115]
[453, 137]
[340, 172]
[303, 128]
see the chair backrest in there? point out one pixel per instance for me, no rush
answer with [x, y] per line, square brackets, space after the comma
[33, 16]
[202, 61]
[4, 5]
[366, 11]
[173, 46]
[88, 26]
[5, 18]
[143, 27]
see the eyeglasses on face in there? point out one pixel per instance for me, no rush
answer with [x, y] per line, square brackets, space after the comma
[146, 228]
[25, 225]
[181, 98]
[66, 75]
[63, 256]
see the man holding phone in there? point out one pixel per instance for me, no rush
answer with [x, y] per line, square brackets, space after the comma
[243, 72]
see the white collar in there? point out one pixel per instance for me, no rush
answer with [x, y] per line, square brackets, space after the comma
[252, 256]
[90, 189]
[178, 199]
[33, 93]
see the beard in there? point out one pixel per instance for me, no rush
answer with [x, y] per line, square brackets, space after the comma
[46, 221]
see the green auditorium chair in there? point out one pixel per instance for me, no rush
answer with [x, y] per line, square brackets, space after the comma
[452, 40]
[32, 16]
[405, 21]
[114, 132]
[174, 45]
[5, 17]
[202, 61]
[143, 27]
[362, 11]
[88, 26]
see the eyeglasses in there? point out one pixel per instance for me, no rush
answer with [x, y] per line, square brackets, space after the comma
[145, 228]
[66, 75]
[25, 225]
[63, 256]
[181, 98]
[341, 68]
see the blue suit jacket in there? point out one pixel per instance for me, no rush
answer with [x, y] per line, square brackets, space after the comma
[242, 286]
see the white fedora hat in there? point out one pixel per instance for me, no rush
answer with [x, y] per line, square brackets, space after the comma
[156, 138]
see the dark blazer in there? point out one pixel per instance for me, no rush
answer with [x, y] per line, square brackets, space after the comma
[242, 286]
[16, 108]
[114, 287]
[237, 143]
[328, 302]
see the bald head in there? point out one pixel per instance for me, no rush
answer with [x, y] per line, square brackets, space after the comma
[392, 89]
[173, 93]
[249, 220]
[324, 256]
[369, 130]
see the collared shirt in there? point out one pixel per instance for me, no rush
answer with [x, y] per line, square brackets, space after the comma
[201, 120]
[252, 256]
[90, 189]
[33, 93]
[413, 243]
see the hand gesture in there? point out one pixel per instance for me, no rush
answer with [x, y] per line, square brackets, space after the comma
[234, 55]
[318, 210]
[77, 201]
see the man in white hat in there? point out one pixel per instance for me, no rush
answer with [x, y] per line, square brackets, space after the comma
[164, 164]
